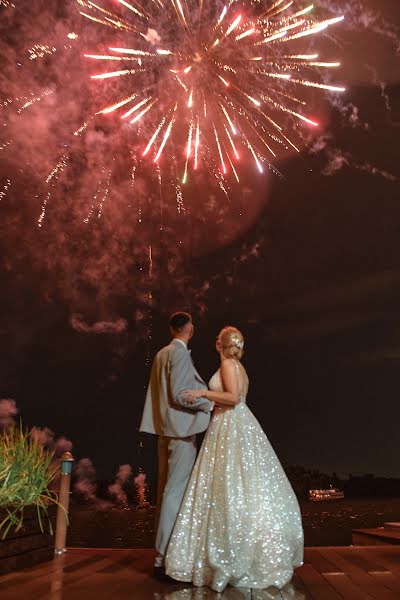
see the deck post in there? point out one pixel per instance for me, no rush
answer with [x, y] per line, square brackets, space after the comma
[66, 464]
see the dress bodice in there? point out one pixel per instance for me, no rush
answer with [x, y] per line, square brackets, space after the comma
[215, 383]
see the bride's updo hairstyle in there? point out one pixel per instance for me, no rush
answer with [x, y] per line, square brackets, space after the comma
[231, 342]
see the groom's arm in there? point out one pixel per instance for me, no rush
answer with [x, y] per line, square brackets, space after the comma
[182, 378]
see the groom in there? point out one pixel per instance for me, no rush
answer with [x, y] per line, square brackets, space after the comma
[167, 415]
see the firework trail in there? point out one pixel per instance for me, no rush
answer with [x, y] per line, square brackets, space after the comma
[4, 190]
[227, 75]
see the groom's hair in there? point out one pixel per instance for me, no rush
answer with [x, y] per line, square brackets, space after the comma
[178, 320]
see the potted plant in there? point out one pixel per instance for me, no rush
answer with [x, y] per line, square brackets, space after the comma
[27, 503]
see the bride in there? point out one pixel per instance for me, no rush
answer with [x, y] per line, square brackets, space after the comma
[239, 522]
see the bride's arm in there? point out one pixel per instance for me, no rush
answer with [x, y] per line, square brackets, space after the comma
[230, 384]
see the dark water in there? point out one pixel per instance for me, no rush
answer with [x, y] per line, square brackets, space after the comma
[325, 523]
[331, 523]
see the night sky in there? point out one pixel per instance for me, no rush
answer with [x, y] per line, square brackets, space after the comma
[307, 265]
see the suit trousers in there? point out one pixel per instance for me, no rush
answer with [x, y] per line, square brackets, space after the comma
[176, 458]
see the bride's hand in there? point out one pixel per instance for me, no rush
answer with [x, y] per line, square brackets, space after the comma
[192, 395]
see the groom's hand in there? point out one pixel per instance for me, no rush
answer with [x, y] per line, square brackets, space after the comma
[191, 396]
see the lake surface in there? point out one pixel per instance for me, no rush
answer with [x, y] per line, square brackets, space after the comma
[325, 523]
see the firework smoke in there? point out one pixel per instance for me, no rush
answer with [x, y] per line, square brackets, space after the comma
[85, 484]
[141, 490]
[101, 327]
[8, 412]
[116, 490]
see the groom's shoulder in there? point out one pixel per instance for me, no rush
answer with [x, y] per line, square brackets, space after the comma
[170, 350]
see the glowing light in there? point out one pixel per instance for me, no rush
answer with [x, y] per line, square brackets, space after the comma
[189, 143]
[132, 8]
[113, 107]
[196, 145]
[40, 50]
[134, 108]
[253, 100]
[245, 34]
[303, 12]
[233, 128]
[222, 16]
[259, 166]
[113, 74]
[133, 51]
[321, 86]
[81, 129]
[166, 136]
[325, 64]
[153, 137]
[270, 11]
[188, 152]
[302, 56]
[287, 28]
[302, 117]
[109, 57]
[233, 169]
[6, 187]
[226, 84]
[234, 25]
[275, 36]
[140, 115]
[277, 75]
[220, 151]
[53, 175]
[232, 143]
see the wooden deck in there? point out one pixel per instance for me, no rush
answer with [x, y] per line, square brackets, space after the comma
[378, 537]
[351, 572]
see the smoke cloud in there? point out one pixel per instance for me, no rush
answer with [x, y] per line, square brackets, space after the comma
[85, 484]
[116, 490]
[8, 412]
[101, 327]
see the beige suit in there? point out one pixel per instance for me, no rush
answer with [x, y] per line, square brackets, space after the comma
[167, 415]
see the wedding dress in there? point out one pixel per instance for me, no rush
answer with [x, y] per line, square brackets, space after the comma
[239, 522]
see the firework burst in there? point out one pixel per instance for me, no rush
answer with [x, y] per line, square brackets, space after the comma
[219, 81]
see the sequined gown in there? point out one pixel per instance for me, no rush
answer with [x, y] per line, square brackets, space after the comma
[239, 522]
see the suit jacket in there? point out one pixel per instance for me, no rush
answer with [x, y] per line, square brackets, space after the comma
[165, 411]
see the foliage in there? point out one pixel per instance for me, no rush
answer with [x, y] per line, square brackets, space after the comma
[26, 472]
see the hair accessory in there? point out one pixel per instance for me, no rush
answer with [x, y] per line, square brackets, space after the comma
[239, 343]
